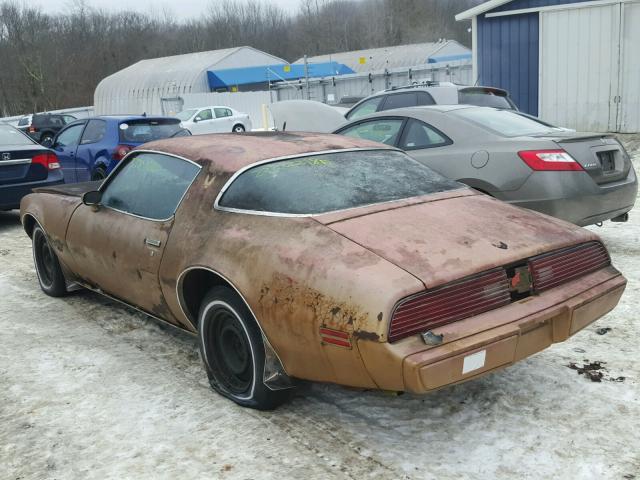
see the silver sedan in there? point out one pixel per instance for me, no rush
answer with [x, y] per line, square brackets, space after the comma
[583, 178]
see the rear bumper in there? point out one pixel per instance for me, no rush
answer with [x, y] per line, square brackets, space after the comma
[515, 332]
[574, 196]
[10, 195]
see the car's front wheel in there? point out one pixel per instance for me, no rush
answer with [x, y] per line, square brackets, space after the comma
[233, 351]
[48, 268]
[99, 174]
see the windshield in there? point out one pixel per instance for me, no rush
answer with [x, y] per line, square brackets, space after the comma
[334, 181]
[11, 136]
[147, 130]
[504, 122]
[186, 114]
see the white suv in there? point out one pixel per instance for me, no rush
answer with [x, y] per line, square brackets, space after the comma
[431, 93]
[214, 120]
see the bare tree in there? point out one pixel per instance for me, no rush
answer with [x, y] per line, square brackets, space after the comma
[56, 61]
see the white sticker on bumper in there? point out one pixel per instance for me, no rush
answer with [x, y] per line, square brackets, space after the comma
[474, 361]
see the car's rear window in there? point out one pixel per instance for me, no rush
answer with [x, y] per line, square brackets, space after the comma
[503, 122]
[332, 181]
[11, 136]
[143, 130]
[485, 98]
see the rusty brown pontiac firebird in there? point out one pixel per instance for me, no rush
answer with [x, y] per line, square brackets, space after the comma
[321, 257]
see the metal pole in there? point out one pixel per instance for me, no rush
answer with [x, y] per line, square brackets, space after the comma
[306, 77]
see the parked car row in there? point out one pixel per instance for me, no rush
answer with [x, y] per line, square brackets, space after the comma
[582, 178]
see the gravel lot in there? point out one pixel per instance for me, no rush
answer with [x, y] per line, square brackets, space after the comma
[92, 390]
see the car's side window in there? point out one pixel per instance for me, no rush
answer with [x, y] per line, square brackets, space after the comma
[401, 100]
[420, 135]
[70, 136]
[378, 130]
[150, 185]
[94, 132]
[365, 108]
[222, 112]
[205, 114]
[425, 98]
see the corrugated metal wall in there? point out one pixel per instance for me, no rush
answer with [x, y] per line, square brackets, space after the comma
[629, 115]
[508, 57]
[575, 65]
[579, 67]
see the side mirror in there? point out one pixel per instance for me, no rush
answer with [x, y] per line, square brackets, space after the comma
[92, 198]
[197, 119]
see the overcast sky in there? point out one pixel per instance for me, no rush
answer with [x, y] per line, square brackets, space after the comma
[180, 8]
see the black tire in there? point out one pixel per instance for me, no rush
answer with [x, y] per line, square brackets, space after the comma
[239, 128]
[233, 351]
[48, 269]
[100, 173]
[46, 140]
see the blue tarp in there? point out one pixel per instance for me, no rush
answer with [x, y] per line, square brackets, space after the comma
[449, 58]
[248, 75]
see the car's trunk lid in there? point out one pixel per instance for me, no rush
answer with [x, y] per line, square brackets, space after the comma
[16, 164]
[445, 237]
[601, 155]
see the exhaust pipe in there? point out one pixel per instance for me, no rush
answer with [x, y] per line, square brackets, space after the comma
[621, 218]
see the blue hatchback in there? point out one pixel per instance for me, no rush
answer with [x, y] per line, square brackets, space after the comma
[24, 165]
[90, 148]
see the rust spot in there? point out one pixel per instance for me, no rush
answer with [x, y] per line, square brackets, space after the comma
[289, 301]
[380, 317]
[361, 334]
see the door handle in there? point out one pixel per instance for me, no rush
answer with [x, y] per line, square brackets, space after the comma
[152, 242]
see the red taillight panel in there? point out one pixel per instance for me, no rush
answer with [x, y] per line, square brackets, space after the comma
[335, 337]
[552, 269]
[450, 303]
[549, 160]
[47, 160]
[121, 151]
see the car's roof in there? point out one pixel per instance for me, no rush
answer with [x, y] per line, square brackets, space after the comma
[229, 152]
[416, 112]
[124, 118]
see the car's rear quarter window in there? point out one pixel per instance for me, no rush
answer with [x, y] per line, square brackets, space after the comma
[332, 181]
[11, 136]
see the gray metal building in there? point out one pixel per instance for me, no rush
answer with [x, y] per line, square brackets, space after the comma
[574, 63]
[400, 56]
[155, 86]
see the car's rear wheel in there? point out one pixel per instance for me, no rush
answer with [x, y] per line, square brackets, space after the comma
[238, 128]
[233, 351]
[48, 268]
[46, 140]
[99, 174]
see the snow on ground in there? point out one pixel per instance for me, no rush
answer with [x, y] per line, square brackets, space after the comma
[90, 389]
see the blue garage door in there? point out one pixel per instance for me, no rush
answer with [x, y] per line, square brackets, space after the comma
[508, 57]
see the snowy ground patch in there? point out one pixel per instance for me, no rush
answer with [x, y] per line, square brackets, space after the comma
[92, 390]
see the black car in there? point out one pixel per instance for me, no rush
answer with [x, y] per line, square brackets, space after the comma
[42, 127]
[24, 165]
